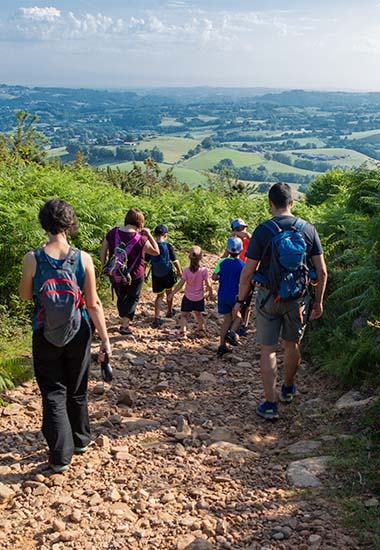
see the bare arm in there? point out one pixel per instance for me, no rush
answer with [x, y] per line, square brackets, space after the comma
[151, 246]
[93, 303]
[177, 266]
[209, 288]
[178, 286]
[29, 265]
[245, 283]
[241, 234]
[321, 269]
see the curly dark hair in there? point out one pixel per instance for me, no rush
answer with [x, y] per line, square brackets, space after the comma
[57, 216]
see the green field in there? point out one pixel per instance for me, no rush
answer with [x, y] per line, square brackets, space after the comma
[172, 147]
[169, 121]
[207, 160]
[56, 152]
[361, 135]
[184, 175]
[352, 159]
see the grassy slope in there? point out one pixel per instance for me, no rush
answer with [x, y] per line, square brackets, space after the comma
[172, 147]
[185, 175]
[353, 159]
[205, 161]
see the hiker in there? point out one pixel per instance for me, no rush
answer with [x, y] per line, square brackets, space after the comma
[227, 272]
[284, 255]
[163, 275]
[132, 241]
[61, 280]
[239, 229]
[195, 277]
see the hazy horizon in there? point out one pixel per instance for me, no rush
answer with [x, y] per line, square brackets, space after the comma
[288, 44]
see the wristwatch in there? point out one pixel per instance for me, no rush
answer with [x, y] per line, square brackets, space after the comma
[239, 301]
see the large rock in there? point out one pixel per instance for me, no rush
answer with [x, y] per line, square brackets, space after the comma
[222, 434]
[304, 447]
[230, 450]
[131, 424]
[304, 473]
[12, 410]
[127, 398]
[353, 399]
[199, 544]
[6, 493]
[207, 378]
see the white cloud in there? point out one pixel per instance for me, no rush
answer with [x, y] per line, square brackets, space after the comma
[39, 14]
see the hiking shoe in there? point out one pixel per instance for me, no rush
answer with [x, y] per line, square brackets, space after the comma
[80, 450]
[232, 338]
[222, 350]
[157, 322]
[287, 393]
[170, 314]
[267, 410]
[59, 468]
[125, 331]
[243, 331]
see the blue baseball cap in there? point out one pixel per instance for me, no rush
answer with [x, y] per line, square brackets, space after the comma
[234, 245]
[160, 230]
[238, 222]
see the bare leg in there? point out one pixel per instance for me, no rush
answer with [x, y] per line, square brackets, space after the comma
[158, 304]
[268, 367]
[225, 328]
[292, 360]
[183, 321]
[247, 315]
[169, 302]
[200, 321]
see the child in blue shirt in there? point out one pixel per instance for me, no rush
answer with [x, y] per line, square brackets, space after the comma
[163, 276]
[227, 272]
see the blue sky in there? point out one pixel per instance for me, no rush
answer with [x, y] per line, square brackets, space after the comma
[128, 43]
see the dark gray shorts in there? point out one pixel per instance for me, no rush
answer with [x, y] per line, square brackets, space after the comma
[280, 319]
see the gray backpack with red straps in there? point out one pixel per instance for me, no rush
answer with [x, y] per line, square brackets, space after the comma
[59, 297]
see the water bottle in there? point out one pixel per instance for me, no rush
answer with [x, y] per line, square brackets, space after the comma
[106, 369]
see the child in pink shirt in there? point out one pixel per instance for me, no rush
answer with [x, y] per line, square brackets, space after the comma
[195, 277]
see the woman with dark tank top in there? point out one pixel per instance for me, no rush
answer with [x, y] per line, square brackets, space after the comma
[62, 370]
[129, 295]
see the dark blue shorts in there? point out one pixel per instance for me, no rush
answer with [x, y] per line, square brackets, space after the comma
[224, 307]
[188, 305]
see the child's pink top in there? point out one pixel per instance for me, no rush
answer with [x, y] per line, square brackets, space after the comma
[194, 283]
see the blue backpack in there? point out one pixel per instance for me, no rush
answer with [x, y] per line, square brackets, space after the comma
[287, 276]
[60, 298]
[161, 264]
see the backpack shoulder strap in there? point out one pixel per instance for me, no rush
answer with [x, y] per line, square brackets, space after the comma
[72, 260]
[273, 227]
[299, 224]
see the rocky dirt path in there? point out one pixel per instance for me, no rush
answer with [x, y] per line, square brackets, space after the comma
[179, 458]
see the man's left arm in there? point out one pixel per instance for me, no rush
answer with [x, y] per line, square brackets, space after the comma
[245, 281]
[321, 270]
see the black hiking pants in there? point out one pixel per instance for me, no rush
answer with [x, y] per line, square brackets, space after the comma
[62, 376]
[128, 297]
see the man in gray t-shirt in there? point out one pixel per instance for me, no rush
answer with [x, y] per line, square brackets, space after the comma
[280, 318]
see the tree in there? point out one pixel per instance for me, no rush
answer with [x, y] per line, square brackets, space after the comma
[25, 143]
[208, 143]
